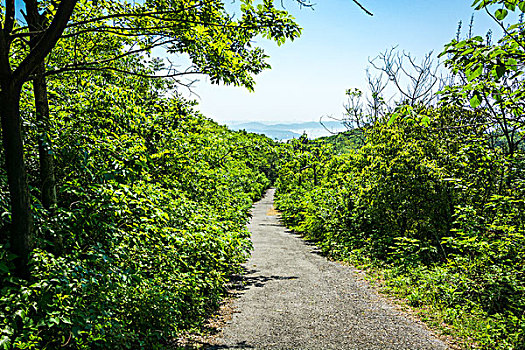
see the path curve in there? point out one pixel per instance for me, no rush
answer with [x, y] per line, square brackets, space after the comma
[295, 299]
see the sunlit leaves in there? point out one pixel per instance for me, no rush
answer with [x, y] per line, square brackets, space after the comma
[509, 5]
[475, 100]
[103, 34]
[492, 75]
[154, 203]
[427, 203]
[474, 72]
[501, 14]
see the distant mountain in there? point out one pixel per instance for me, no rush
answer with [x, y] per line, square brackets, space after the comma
[293, 130]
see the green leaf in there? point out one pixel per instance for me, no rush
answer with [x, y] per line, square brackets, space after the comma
[461, 44]
[392, 119]
[501, 14]
[500, 70]
[471, 75]
[510, 5]
[425, 120]
[478, 4]
[475, 101]
[3, 268]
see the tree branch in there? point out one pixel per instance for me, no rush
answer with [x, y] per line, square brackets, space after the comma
[142, 30]
[500, 23]
[130, 52]
[138, 15]
[118, 70]
[46, 42]
[9, 16]
[363, 8]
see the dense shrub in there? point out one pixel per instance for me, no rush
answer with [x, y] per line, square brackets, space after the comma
[436, 207]
[151, 220]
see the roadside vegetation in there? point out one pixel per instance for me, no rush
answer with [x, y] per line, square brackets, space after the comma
[150, 222]
[433, 198]
[122, 209]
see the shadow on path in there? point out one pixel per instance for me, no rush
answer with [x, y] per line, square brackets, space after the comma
[241, 345]
[250, 278]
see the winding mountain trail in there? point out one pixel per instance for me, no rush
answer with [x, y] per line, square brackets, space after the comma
[293, 298]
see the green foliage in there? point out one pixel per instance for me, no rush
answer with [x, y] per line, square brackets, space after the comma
[343, 142]
[153, 198]
[492, 74]
[151, 221]
[434, 204]
[435, 198]
[104, 35]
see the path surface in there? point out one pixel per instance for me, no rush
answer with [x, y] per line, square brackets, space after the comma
[296, 299]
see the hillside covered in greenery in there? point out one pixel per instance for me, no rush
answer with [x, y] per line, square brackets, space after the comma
[123, 209]
[433, 197]
[150, 220]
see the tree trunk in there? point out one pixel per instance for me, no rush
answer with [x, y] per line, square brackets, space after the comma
[37, 23]
[21, 218]
[47, 165]
[10, 84]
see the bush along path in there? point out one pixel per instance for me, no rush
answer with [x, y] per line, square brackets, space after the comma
[293, 298]
[153, 206]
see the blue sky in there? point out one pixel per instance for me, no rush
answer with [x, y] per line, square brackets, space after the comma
[309, 76]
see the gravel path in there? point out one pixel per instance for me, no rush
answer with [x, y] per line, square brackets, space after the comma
[296, 299]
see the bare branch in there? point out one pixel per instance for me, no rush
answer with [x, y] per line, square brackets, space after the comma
[331, 117]
[119, 70]
[363, 8]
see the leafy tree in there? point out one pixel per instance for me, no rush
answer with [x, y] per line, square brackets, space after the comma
[11, 80]
[217, 44]
[493, 75]
[153, 204]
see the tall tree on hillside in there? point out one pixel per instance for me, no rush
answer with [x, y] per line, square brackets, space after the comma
[12, 77]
